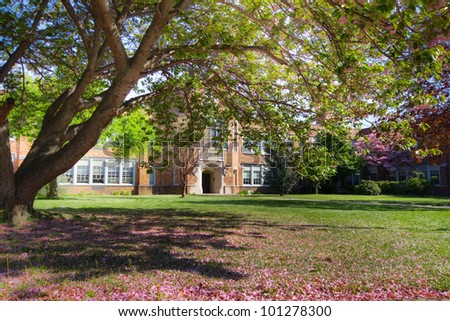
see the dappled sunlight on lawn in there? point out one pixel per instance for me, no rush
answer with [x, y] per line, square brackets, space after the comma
[175, 254]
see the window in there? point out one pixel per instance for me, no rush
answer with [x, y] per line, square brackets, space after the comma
[127, 172]
[401, 176]
[256, 174]
[423, 172]
[261, 147]
[214, 133]
[435, 175]
[247, 174]
[246, 149]
[214, 136]
[151, 178]
[67, 177]
[98, 172]
[83, 172]
[113, 172]
[175, 181]
[253, 175]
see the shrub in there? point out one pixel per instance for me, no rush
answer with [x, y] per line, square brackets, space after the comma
[122, 192]
[42, 193]
[243, 192]
[368, 188]
[390, 187]
[416, 185]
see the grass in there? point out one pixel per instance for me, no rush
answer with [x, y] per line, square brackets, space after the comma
[302, 247]
[389, 199]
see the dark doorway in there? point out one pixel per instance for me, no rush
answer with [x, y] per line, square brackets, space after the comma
[206, 183]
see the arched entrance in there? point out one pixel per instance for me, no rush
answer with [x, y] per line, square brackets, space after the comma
[207, 182]
[212, 181]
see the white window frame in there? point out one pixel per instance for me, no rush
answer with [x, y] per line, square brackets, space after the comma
[133, 172]
[94, 163]
[117, 164]
[262, 169]
[90, 164]
[75, 172]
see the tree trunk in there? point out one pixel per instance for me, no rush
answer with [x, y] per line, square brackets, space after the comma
[183, 190]
[7, 185]
[18, 211]
[53, 189]
[316, 186]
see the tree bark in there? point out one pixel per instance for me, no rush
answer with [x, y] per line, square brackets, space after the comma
[53, 189]
[7, 187]
[316, 186]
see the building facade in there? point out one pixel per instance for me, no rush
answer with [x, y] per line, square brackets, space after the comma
[227, 170]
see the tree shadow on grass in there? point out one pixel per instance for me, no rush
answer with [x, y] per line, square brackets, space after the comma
[107, 241]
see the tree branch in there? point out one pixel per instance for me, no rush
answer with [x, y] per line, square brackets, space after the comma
[24, 44]
[129, 104]
[108, 24]
[163, 14]
[75, 18]
[6, 108]
[73, 130]
[91, 102]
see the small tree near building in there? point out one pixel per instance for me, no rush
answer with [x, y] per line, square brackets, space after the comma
[186, 162]
[282, 175]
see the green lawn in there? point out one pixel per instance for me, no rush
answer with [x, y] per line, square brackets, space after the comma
[299, 247]
[404, 199]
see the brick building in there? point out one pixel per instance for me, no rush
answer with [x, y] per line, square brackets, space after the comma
[436, 171]
[226, 170]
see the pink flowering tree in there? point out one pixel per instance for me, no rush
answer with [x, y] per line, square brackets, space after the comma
[382, 150]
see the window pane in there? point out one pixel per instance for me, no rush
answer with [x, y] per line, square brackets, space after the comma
[98, 172]
[67, 177]
[247, 175]
[83, 172]
[246, 149]
[152, 178]
[435, 176]
[265, 147]
[113, 172]
[257, 175]
[175, 180]
[127, 173]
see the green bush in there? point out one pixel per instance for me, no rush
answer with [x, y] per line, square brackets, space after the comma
[243, 192]
[368, 188]
[122, 192]
[42, 193]
[390, 187]
[416, 186]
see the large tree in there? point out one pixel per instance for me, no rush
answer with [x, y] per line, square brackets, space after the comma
[278, 65]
